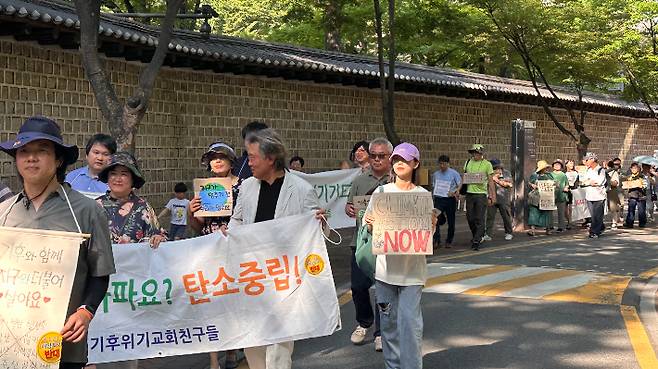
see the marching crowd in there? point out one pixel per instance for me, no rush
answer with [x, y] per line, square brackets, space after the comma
[263, 190]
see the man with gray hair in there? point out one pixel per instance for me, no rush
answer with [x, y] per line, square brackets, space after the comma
[271, 193]
[375, 175]
[595, 193]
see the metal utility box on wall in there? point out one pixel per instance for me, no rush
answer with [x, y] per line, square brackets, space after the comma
[523, 161]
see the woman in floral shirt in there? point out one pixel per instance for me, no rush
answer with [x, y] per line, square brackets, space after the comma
[131, 218]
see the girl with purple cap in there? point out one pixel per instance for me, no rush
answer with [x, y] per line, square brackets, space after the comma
[399, 279]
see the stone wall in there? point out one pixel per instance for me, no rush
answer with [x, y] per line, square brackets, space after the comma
[320, 122]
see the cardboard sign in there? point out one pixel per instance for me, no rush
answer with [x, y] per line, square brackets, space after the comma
[572, 177]
[360, 202]
[403, 223]
[441, 188]
[473, 178]
[581, 169]
[216, 196]
[546, 194]
[37, 269]
[638, 183]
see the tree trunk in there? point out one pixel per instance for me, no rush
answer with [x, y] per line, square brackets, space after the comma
[389, 127]
[333, 20]
[123, 118]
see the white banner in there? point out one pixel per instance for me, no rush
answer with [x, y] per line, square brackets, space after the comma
[332, 188]
[37, 269]
[579, 208]
[265, 283]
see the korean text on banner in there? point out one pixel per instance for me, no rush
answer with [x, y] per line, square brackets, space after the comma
[403, 223]
[37, 269]
[333, 188]
[546, 194]
[265, 283]
[216, 196]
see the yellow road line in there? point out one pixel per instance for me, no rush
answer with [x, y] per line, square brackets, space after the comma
[644, 353]
[345, 298]
[648, 274]
[496, 289]
[606, 290]
[468, 274]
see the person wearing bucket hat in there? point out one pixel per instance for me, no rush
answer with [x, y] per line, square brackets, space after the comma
[131, 218]
[46, 203]
[536, 216]
[399, 279]
[480, 192]
[219, 160]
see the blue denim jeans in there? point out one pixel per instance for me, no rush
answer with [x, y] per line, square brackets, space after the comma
[401, 325]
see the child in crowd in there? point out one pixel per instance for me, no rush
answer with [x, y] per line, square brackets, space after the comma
[399, 279]
[178, 208]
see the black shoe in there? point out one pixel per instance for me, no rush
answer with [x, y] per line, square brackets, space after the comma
[641, 226]
[559, 230]
[629, 226]
[475, 247]
[593, 236]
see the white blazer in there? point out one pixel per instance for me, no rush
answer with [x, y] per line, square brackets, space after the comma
[296, 197]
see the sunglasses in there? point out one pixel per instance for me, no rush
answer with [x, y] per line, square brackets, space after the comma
[379, 156]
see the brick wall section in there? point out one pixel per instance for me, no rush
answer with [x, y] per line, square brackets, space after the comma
[320, 122]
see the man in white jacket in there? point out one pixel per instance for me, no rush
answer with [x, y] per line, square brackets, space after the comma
[271, 193]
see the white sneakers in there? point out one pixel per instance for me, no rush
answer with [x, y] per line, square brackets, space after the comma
[378, 344]
[508, 236]
[359, 335]
[486, 238]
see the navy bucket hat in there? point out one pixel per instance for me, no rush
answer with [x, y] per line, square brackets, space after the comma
[40, 128]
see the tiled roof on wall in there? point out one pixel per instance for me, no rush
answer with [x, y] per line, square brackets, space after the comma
[135, 41]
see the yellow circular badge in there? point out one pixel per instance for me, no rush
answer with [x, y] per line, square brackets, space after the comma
[49, 347]
[314, 264]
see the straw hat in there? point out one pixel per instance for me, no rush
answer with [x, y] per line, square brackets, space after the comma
[541, 165]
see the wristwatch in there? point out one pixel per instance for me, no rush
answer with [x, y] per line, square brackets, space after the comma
[87, 309]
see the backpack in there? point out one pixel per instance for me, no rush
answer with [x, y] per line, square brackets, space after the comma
[606, 181]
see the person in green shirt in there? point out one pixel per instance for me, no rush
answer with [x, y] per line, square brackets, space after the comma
[561, 194]
[480, 194]
[538, 218]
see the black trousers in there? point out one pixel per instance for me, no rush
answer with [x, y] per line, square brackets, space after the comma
[447, 205]
[596, 210]
[71, 365]
[366, 314]
[476, 211]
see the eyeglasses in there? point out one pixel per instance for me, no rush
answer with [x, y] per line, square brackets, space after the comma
[379, 156]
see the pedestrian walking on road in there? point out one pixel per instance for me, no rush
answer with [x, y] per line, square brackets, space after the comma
[572, 178]
[561, 195]
[637, 198]
[399, 279]
[503, 181]
[538, 218]
[376, 174]
[47, 203]
[614, 192]
[360, 155]
[219, 160]
[99, 149]
[595, 193]
[446, 183]
[480, 192]
[271, 193]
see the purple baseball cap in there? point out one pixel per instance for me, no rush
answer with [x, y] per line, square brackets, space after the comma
[406, 151]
